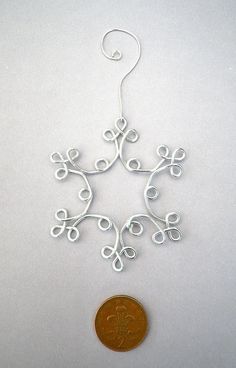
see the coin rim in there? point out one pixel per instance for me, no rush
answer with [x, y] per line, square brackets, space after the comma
[145, 314]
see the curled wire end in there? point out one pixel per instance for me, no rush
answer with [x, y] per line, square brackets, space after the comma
[116, 55]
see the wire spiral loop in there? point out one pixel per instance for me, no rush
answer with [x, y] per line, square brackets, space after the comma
[117, 55]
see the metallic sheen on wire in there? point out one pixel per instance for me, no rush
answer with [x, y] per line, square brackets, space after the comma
[164, 226]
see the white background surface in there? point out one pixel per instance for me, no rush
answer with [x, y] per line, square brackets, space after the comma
[58, 91]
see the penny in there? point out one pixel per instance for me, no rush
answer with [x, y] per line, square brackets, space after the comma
[121, 323]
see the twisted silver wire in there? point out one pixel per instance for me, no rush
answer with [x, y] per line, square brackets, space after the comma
[119, 135]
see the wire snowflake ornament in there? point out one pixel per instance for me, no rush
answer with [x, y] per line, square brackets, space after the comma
[164, 227]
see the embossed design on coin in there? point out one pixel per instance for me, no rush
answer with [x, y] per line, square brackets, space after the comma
[121, 323]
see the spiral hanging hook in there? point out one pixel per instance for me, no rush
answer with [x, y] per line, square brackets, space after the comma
[116, 56]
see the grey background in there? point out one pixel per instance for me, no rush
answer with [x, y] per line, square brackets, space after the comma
[58, 91]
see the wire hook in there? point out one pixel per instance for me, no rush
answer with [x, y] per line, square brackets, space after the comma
[116, 56]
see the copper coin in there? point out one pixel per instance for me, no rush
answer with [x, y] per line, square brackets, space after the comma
[121, 323]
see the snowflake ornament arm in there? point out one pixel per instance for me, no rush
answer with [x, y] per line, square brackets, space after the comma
[119, 135]
[167, 225]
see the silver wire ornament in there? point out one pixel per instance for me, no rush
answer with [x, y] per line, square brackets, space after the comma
[69, 164]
